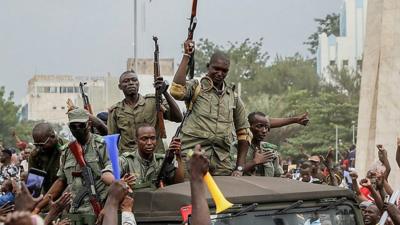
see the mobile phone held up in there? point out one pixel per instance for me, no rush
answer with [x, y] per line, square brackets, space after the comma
[35, 181]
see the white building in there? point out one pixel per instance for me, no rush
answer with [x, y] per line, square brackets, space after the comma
[344, 51]
[47, 94]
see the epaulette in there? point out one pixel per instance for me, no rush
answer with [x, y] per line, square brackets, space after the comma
[150, 96]
[128, 155]
[114, 107]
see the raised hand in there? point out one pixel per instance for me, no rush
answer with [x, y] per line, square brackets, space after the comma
[303, 119]
[24, 200]
[198, 163]
[188, 47]
[130, 179]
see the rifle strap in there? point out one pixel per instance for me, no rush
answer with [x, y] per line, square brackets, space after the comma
[196, 94]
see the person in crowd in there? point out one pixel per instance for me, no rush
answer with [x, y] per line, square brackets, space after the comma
[199, 166]
[8, 171]
[46, 156]
[69, 173]
[8, 195]
[145, 164]
[371, 215]
[126, 116]
[261, 160]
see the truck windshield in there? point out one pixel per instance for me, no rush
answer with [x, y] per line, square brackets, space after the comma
[339, 215]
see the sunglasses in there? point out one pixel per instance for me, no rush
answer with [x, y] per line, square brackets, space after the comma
[43, 143]
[78, 126]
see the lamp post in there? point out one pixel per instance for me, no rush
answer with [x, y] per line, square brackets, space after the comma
[353, 125]
[336, 144]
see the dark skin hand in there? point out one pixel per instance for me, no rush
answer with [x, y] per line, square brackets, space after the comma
[55, 191]
[175, 148]
[6, 208]
[24, 200]
[176, 114]
[280, 122]
[18, 217]
[398, 152]
[383, 157]
[99, 125]
[116, 194]
[378, 200]
[198, 168]
[393, 212]
[57, 207]
[180, 75]
[65, 221]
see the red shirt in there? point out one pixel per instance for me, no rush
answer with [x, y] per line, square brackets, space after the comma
[366, 193]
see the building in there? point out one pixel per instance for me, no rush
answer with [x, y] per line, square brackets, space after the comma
[47, 95]
[346, 50]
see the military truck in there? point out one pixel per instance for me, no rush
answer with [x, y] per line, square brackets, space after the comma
[257, 200]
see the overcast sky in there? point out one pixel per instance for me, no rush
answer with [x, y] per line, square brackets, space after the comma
[93, 37]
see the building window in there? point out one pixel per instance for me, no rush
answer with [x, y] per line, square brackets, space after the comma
[332, 63]
[62, 107]
[54, 107]
[345, 62]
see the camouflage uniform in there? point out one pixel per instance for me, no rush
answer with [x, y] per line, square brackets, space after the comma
[145, 171]
[96, 157]
[124, 119]
[211, 121]
[49, 164]
[268, 169]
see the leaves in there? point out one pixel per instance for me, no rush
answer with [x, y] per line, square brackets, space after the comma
[290, 86]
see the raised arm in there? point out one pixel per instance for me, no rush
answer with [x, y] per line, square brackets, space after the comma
[281, 122]
[180, 75]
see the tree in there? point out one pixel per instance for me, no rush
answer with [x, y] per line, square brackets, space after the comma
[8, 116]
[329, 25]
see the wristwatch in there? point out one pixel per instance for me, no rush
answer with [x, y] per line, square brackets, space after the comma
[239, 168]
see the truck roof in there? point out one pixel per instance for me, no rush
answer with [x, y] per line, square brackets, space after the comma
[164, 204]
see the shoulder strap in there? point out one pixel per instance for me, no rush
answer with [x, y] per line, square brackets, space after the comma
[193, 99]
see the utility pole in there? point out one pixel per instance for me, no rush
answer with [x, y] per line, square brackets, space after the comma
[135, 35]
[337, 144]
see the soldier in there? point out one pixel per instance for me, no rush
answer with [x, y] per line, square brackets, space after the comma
[216, 111]
[95, 155]
[144, 164]
[125, 116]
[47, 154]
[263, 160]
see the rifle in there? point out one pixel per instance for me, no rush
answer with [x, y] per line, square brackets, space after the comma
[192, 27]
[89, 185]
[85, 98]
[160, 113]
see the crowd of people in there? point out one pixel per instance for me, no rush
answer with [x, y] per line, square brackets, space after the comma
[217, 136]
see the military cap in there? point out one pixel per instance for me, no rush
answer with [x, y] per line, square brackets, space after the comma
[78, 116]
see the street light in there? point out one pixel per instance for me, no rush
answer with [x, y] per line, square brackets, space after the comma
[336, 144]
[354, 131]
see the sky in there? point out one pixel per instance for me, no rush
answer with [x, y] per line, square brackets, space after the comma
[94, 37]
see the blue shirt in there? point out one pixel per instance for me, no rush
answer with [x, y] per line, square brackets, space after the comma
[7, 197]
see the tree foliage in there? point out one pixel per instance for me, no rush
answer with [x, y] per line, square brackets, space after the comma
[329, 25]
[9, 121]
[289, 86]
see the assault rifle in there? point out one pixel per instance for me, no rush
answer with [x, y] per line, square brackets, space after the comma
[192, 27]
[160, 113]
[89, 188]
[85, 98]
